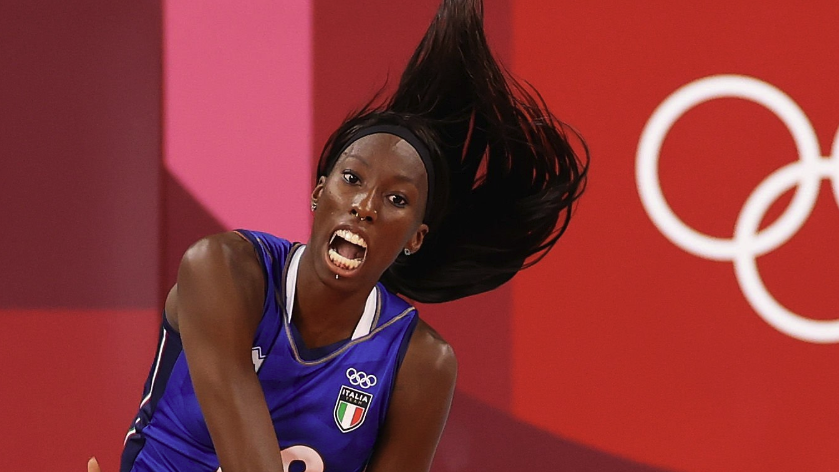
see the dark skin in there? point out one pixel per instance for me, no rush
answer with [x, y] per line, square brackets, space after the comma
[377, 189]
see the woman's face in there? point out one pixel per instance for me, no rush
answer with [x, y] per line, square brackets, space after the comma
[369, 208]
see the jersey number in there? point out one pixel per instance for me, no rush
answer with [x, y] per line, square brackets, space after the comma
[305, 454]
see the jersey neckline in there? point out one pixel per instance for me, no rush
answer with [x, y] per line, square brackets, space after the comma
[364, 327]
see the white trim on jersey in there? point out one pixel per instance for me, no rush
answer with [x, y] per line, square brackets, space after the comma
[146, 399]
[156, 367]
[291, 280]
[365, 324]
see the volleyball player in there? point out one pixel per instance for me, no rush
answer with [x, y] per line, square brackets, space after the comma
[307, 357]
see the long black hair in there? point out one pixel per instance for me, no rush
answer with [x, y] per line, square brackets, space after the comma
[505, 174]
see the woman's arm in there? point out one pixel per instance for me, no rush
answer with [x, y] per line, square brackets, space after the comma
[220, 294]
[419, 405]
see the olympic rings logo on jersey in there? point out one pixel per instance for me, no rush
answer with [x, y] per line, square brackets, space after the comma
[748, 241]
[361, 379]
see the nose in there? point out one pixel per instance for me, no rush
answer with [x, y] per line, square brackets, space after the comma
[362, 208]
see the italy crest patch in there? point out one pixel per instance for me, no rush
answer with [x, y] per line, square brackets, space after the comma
[351, 408]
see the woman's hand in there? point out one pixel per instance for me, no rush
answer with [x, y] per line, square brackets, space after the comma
[93, 465]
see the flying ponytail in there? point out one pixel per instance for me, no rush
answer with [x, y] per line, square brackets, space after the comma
[505, 175]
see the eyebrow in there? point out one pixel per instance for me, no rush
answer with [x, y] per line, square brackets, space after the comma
[359, 158]
[401, 177]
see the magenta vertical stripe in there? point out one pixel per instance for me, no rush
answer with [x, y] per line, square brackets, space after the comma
[237, 109]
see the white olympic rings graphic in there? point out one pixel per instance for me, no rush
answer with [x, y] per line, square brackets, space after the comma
[748, 241]
[361, 379]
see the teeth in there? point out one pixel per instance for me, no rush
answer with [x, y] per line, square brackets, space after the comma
[348, 235]
[342, 261]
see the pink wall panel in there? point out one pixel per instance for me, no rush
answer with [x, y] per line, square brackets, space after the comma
[642, 348]
[238, 120]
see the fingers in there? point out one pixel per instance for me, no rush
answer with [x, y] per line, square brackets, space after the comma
[93, 465]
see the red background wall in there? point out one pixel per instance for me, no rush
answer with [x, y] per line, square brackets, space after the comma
[621, 351]
[80, 205]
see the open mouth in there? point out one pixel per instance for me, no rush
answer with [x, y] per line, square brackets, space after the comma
[347, 250]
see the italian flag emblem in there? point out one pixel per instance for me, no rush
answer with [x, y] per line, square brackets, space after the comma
[351, 408]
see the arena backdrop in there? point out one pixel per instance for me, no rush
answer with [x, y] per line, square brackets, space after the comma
[686, 322]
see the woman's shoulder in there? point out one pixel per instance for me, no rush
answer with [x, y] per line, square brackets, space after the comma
[430, 354]
[425, 344]
[271, 249]
[221, 256]
[228, 250]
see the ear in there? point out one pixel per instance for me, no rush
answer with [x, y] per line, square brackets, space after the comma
[416, 240]
[318, 188]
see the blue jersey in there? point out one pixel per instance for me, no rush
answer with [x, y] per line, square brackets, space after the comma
[328, 404]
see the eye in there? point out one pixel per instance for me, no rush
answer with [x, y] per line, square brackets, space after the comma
[349, 177]
[398, 200]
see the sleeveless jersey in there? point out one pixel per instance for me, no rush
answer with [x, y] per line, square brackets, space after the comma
[328, 405]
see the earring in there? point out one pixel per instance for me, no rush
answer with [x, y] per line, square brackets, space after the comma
[407, 251]
[314, 205]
